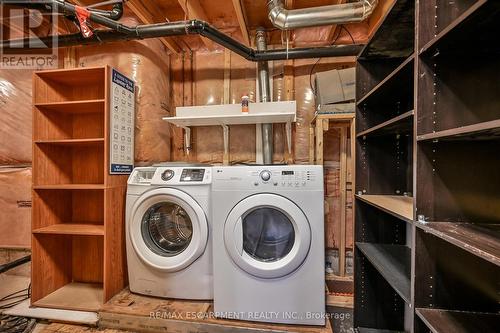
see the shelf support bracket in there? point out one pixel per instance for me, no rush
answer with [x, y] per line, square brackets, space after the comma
[225, 131]
[187, 140]
[288, 128]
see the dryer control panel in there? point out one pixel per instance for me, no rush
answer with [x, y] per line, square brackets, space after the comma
[270, 178]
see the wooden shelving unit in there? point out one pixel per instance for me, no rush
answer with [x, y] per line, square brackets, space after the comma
[78, 258]
[427, 182]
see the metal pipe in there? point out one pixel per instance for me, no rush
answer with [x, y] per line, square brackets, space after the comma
[284, 19]
[121, 32]
[265, 96]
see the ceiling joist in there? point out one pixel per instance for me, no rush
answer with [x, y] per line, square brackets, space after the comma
[149, 13]
[241, 16]
[194, 10]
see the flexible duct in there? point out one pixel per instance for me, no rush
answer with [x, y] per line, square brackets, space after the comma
[121, 32]
[265, 96]
[284, 19]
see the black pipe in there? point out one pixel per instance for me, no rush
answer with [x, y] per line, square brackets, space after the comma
[121, 32]
[115, 13]
[15, 263]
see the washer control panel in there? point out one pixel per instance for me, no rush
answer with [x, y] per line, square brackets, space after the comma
[283, 178]
[192, 175]
[171, 175]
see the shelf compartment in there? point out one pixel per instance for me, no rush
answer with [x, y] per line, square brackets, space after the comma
[70, 271]
[376, 304]
[396, 205]
[72, 229]
[74, 296]
[393, 263]
[69, 124]
[69, 85]
[480, 131]
[74, 107]
[446, 24]
[52, 209]
[393, 81]
[482, 240]
[385, 164]
[443, 321]
[394, 37]
[458, 181]
[470, 95]
[68, 164]
[450, 277]
[398, 125]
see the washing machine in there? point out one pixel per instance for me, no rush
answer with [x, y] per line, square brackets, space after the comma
[269, 243]
[168, 232]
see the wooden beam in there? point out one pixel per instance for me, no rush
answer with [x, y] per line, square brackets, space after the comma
[149, 13]
[194, 10]
[240, 15]
[343, 199]
[335, 27]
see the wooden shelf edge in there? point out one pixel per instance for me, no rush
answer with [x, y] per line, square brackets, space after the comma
[77, 229]
[385, 265]
[70, 187]
[462, 131]
[442, 321]
[374, 200]
[386, 123]
[73, 102]
[458, 233]
[451, 26]
[386, 79]
[70, 142]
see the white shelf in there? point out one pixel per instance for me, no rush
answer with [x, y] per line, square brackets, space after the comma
[230, 114]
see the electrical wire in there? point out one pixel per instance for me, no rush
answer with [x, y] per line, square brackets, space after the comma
[319, 59]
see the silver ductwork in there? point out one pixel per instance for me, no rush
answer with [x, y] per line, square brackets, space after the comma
[352, 12]
[265, 96]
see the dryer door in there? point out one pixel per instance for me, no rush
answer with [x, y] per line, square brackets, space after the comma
[267, 235]
[168, 230]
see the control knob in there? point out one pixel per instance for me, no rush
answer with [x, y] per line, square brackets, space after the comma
[265, 175]
[167, 174]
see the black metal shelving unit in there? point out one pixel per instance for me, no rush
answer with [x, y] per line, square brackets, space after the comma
[427, 212]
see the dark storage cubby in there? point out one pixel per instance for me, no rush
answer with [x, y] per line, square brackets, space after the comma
[390, 98]
[456, 92]
[376, 304]
[376, 226]
[444, 26]
[458, 181]
[451, 278]
[385, 164]
[395, 36]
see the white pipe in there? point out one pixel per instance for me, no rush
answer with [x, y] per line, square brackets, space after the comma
[352, 12]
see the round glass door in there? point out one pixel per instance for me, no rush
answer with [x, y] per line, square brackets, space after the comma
[168, 229]
[267, 235]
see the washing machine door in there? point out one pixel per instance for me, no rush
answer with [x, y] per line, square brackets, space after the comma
[168, 230]
[267, 235]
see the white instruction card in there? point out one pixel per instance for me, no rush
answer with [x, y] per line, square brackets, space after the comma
[122, 115]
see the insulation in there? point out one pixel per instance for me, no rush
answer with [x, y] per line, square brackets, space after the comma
[145, 62]
[15, 205]
[15, 116]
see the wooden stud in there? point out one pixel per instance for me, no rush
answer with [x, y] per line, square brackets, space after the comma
[149, 13]
[311, 144]
[343, 180]
[241, 16]
[319, 142]
[227, 75]
[194, 10]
